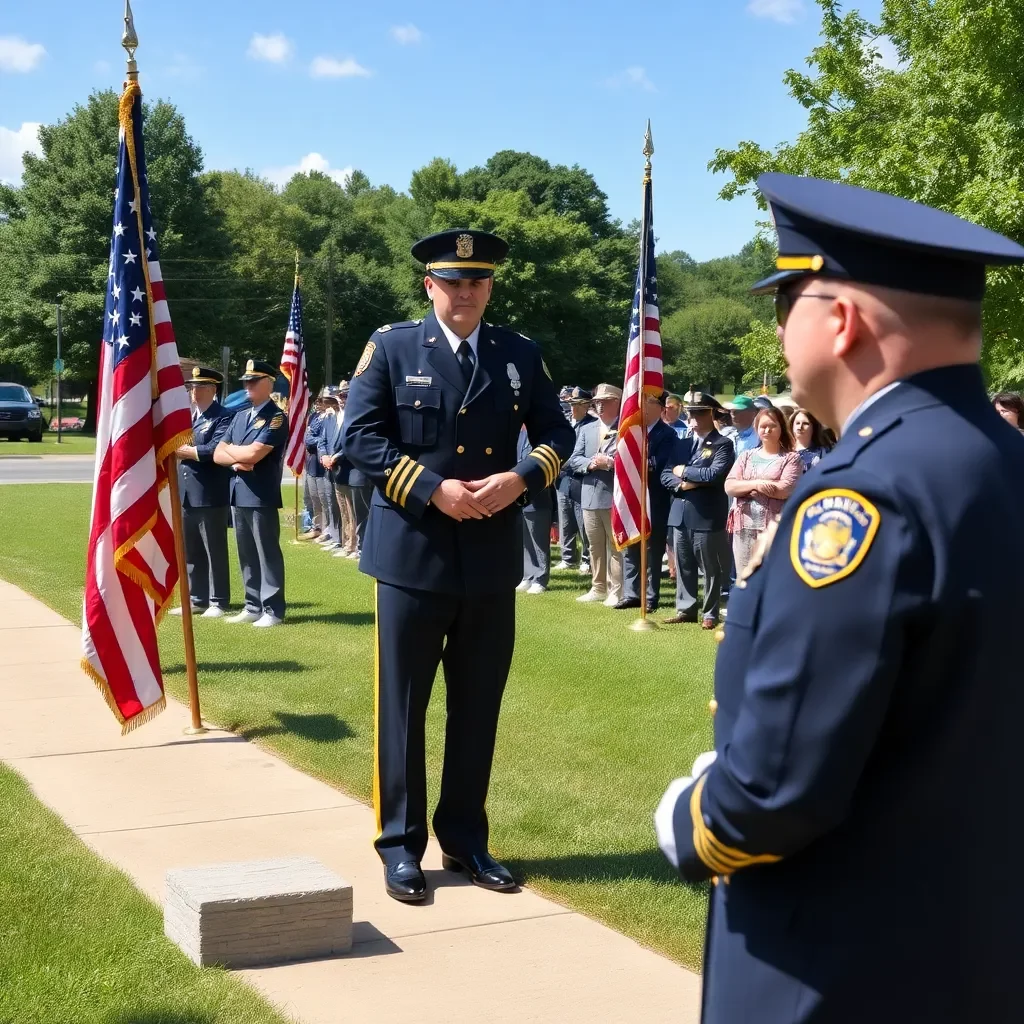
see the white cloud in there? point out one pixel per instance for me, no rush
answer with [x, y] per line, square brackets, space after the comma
[310, 162]
[406, 34]
[635, 77]
[17, 55]
[276, 48]
[329, 67]
[783, 11]
[12, 145]
[888, 56]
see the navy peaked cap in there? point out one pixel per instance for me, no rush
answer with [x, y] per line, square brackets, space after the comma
[461, 253]
[834, 230]
[204, 375]
[256, 368]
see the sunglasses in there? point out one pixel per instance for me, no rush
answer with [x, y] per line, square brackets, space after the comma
[784, 304]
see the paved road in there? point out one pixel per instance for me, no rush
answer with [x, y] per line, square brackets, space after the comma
[53, 469]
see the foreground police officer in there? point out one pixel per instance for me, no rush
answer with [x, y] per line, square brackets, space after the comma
[433, 418]
[254, 449]
[863, 807]
[204, 498]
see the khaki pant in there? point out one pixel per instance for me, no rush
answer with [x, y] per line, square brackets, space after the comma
[348, 517]
[605, 561]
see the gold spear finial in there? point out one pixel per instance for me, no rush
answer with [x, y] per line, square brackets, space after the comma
[648, 146]
[130, 40]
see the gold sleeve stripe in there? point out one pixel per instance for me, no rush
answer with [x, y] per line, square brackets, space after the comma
[719, 857]
[400, 468]
[545, 463]
[548, 458]
[403, 494]
[400, 478]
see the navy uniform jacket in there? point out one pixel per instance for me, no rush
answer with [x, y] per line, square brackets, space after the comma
[410, 424]
[314, 430]
[259, 487]
[570, 482]
[661, 449]
[539, 501]
[204, 483]
[708, 463]
[866, 795]
[331, 443]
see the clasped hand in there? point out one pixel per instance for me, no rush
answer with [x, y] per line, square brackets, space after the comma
[478, 499]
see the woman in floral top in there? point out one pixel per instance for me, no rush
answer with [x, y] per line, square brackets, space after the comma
[760, 480]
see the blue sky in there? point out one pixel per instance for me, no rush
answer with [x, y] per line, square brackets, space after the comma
[386, 87]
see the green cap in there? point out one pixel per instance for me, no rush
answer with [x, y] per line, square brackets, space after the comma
[740, 403]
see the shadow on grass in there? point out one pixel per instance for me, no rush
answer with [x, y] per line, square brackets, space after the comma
[342, 618]
[159, 1017]
[596, 868]
[251, 667]
[325, 728]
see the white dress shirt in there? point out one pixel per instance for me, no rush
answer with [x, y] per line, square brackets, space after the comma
[455, 341]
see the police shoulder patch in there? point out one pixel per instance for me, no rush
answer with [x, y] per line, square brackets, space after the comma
[364, 359]
[832, 533]
[276, 421]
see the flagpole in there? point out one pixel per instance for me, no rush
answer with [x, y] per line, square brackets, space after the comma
[130, 41]
[644, 624]
[295, 476]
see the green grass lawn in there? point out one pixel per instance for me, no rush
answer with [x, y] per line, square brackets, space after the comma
[78, 942]
[596, 720]
[71, 443]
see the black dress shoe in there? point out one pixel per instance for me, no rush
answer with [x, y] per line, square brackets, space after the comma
[628, 602]
[676, 619]
[652, 607]
[483, 870]
[405, 882]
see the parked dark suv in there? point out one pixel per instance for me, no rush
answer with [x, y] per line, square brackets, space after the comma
[19, 414]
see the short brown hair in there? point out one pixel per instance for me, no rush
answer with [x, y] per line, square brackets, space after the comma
[785, 435]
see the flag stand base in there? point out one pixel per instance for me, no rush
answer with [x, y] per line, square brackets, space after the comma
[643, 626]
[193, 731]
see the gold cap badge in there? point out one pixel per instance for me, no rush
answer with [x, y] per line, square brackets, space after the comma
[249, 367]
[195, 372]
[464, 246]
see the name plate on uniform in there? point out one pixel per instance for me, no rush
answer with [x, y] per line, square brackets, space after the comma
[419, 382]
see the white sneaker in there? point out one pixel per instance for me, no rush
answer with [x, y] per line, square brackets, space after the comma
[340, 553]
[354, 555]
[244, 616]
[213, 612]
[333, 547]
[524, 586]
[266, 620]
[537, 588]
[175, 611]
[610, 601]
[590, 597]
[562, 566]
[584, 568]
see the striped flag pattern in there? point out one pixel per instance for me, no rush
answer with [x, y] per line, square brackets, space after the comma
[143, 416]
[629, 495]
[293, 366]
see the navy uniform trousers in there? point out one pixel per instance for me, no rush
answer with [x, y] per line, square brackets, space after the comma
[445, 591]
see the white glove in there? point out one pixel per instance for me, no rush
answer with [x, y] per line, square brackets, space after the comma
[663, 816]
[703, 762]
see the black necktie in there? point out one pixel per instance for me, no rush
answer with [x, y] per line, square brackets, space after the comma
[466, 361]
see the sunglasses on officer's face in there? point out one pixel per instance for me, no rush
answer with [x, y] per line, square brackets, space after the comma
[784, 303]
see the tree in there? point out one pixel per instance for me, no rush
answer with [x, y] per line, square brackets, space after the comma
[56, 239]
[761, 354]
[700, 343]
[943, 128]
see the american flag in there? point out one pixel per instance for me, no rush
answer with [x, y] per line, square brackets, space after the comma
[293, 366]
[143, 417]
[629, 495]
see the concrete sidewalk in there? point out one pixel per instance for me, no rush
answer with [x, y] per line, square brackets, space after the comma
[156, 799]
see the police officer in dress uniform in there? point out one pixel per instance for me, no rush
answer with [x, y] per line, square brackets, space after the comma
[254, 449]
[860, 811]
[433, 419]
[204, 498]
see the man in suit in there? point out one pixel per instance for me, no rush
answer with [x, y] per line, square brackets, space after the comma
[695, 477]
[339, 471]
[570, 489]
[313, 470]
[862, 798]
[536, 531]
[433, 420]
[253, 448]
[204, 498]
[661, 446]
[593, 459]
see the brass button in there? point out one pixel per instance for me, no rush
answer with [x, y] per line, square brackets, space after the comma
[712, 705]
[516, 407]
[866, 431]
[387, 472]
[489, 451]
[462, 412]
[416, 403]
[460, 449]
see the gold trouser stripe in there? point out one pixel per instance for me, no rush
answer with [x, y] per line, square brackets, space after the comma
[449, 265]
[403, 494]
[376, 712]
[719, 857]
[396, 473]
[548, 459]
[400, 478]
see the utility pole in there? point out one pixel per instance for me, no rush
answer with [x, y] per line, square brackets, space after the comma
[329, 337]
[58, 367]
